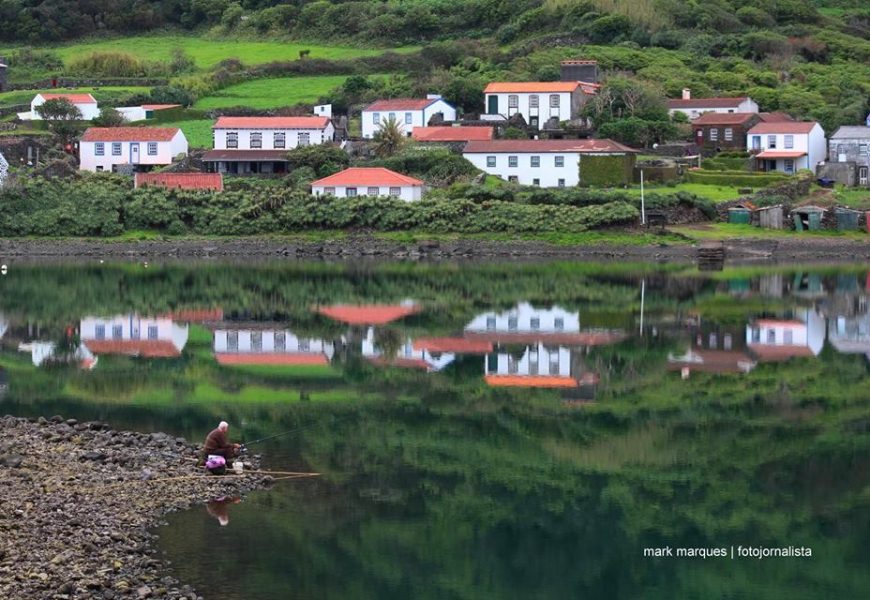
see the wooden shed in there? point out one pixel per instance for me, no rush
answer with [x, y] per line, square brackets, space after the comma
[770, 217]
[807, 218]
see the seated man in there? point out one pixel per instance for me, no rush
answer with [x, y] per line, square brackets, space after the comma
[217, 443]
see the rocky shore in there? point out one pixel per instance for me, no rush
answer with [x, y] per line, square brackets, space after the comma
[77, 501]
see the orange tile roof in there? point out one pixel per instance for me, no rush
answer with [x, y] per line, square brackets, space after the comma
[714, 118]
[367, 314]
[530, 87]
[400, 104]
[367, 176]
[780, 154]
[539, 381]
[271, 123]
[160, 106]
[580, 146]
[129, 134]
[183, 181]
[276, 358]
[451, 134]
[74, 98]
[784, 127]
[143, 348]
[457, 345]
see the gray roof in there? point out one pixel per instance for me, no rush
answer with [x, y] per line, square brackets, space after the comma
[851, 131]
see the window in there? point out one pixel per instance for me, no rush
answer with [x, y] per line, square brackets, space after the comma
[554, 100]
[100, 332]
[560, 161]
[559, 324]
[862, 148]
[100, 149]
[100, 169]
[714, 341]
[490, 323]
[408, 118]
[513, 365]
[152, 148]
[756, 142]
[561, 183]
[232, 139]
[862, 175]
[376, 118]
[279, 139]
[372, 191]
[116, 148]
[533, 101]
[726, 341]
[257, 340]
[771, 141]
[536, 161]
[513, 161]
[303, 139]
[490, 162]
[788, 165]
[280, 340]
[554, 363]
[256, 139]
[756, 335]
[536, 181]
[535, 323]
[233, 341]
[513, 101]
[395, 192]
[771, 336]
[789, 141]
[330, 191]
[513, 179]
[512, 323]
[729, 134]
[788, 337]
[392, 117]
[714, 134]
[152, 332]
[117, 332]
[350, 192]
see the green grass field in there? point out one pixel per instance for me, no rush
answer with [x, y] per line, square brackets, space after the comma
[717, 193]
[725, 231]
[197, 131]
[272, 93]
[854, 197]
[103, 94]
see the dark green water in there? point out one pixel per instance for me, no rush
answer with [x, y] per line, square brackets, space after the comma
[483, 431]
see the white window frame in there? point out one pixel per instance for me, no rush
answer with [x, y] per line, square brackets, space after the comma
[713, 134]
[788, 165]
[559, 161]
[788, 143]
[373, 191]
[232, 139]
[350, 192]
[116, 149]
[561, 183]
[409, 118]
[491, 162]
[513, 101]
[376, 118]
[256, 140]
[555, 101]
[513, 162]
[152, 148]
[535, 161]
[771, 142]
[729, 134]
[99, 149]
[534, 101]
[279, 140]
[303, 139]
[395, 192]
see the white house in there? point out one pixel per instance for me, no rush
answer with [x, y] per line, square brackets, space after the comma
[787, 146]
[369, 181]
[538, 101]
[545, 163]
[133, 335]
[407, 112]
[407, 355]
[781, 339]
[695, 107]
[256, 346]
[105, 148]
[260, 144]
[86, 103]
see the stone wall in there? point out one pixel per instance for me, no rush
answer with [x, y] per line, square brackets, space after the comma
[70, 82]
[841, 172]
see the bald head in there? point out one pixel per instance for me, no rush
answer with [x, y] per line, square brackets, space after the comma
[223, 426]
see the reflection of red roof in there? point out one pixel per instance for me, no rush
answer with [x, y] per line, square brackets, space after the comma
[714, 361]
[144, 348]
[367, 314]
[591, 338]
[408, 363]
[195, 315]
[539, 381]
[778, 323]
[777, 353]
[183, 181]
[457, 345]
[276, 358]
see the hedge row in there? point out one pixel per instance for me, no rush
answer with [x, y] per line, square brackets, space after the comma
[734, 178]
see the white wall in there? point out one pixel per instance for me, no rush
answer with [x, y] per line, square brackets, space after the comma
[132, 113]
[89, 110]
[548, 174]
[537, 360]
[134, 327]
[291, 137]
[747, 106]
[166, 152]
[436, 362]
[543, 112]
[408, 193]
[523, 314]
[292, 343]
[808, 331]
[372, 120]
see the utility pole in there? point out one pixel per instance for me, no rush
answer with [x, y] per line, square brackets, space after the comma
[642, 202]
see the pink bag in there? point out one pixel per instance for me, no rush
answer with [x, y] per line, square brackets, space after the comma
[215, 462]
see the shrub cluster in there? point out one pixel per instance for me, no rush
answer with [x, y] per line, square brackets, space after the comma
[734, 178]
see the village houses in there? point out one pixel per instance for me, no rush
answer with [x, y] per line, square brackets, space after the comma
[140, 148]
[408, 113]
[369, 181]
[849, 156]
[538, 101]
[787, 146]
[86, 104]
[723, 131]
[695, 107]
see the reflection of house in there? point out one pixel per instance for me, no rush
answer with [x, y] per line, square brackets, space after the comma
[369, 314]
[408, 354]
[251, 345]
[850, 335]
[781, 339]
[538, 365]
[133, 335]
[40, 352]
[713, 350]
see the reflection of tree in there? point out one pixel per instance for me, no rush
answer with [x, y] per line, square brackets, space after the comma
[389, 341]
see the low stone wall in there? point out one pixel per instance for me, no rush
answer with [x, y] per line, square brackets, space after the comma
[74, 82]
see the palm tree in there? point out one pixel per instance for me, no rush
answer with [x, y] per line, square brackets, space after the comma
[389, 139]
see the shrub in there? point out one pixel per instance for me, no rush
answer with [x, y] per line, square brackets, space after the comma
[107, 64]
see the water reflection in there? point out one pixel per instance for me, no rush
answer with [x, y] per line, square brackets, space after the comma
[220, 509]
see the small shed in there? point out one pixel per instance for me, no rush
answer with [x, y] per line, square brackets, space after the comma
[739, 215]
[847, 219]
[807, 218]
[770, 217]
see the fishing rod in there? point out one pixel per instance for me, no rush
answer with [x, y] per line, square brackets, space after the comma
[282, 434]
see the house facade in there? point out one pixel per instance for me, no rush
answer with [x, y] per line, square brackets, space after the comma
[106, 148]
[133, 335]
[369, 181]
[549, 163]
[723, 131]
[695, 107]
[246, 145]
[86, 104]
[787, 146]
[408, 113]
[256, 345]
[772, 340]
[849, 155]
[538, 101]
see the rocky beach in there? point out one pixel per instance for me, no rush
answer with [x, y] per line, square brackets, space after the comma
[78, 502]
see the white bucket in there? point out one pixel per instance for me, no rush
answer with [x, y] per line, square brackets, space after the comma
[239, 467]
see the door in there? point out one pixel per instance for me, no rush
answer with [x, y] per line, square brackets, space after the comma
[492, 105]
[756, 142]
[134, 153]
[863, 175]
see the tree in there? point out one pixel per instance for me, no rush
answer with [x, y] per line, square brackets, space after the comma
[109, 117]
[62, 117]
[389, 139]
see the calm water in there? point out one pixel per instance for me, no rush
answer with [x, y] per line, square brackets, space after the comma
[483, 431]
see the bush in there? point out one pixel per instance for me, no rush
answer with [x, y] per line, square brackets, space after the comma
[734, 178]
[107, 64]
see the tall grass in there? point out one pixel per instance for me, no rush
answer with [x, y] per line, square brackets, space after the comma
[642, 12]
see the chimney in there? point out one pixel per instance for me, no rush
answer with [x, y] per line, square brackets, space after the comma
[579, 70]
[687, 94]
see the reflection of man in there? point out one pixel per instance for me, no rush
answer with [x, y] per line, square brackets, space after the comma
[217, 443]
[218, 509]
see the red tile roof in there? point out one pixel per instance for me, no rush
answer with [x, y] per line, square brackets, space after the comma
[775, 117]
[457, 345]
[143, 348]
[277, 358]
[451, 134]
[713, 118]
[400, 104]
[780, 154]
[770, 353]
[366, 176]
[581, 146]
[539, 381]
[160, 106]
[183, 181]
[531, 87]
[367, 314]
[784, 127]
[706, 102]
[591, 338]
[271, 123]
[129, 134]
[74, 98]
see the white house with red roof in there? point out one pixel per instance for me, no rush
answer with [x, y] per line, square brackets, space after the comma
[772, 340]
[787, 146]
[86, 103]
[134, 335]
[408, 355]
[695, 107]
[369, 181]
[256, 344]
[544, 163]
[105, 148]
[407, 112]
[260, 144]
[538, 101]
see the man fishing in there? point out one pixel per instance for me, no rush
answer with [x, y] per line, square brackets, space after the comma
[217, 443]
